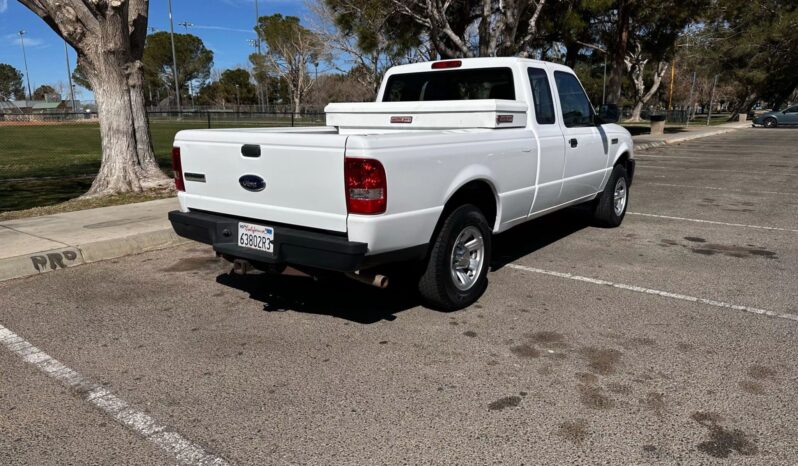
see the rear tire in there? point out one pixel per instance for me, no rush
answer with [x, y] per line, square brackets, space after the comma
[610, 207]
[771, 123]
[456, 273]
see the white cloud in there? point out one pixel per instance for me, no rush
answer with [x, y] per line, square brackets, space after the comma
[3, 6]
[30, 42]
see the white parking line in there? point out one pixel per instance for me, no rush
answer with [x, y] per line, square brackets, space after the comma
[699, 158]
[744, 191]
[744, 172]
[173, 443]
[712, 222]
[665, 294]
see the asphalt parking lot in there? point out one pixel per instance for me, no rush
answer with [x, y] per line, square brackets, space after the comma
[671, 339]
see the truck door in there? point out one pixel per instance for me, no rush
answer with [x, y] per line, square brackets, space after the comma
[585, 157]
[552, 145]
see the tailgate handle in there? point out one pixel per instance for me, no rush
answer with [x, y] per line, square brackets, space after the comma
[250, 150]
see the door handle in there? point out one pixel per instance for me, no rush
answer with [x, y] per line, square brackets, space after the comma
[573, 142]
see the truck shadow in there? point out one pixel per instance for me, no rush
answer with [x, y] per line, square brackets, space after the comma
[332, 296]
[537, 234]
[346, 299]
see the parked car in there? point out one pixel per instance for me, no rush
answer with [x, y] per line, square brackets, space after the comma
[451, 153]
[778, 118]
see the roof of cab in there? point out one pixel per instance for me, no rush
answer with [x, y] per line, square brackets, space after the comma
[467, 63]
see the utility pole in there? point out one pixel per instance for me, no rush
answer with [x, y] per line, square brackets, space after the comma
[187, 25]
[69, 77]
[690, 103]
[711, 98]
[25, 59]
[174, 58]
[673, 76]
[260, 53]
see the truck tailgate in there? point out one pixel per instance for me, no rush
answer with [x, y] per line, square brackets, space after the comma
[303, 171]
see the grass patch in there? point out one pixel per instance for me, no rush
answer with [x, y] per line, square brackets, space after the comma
[49, 165]
[87, 203]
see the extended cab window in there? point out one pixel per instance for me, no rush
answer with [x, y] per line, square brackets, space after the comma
[482, 83]
[541, 94]
[576, 110]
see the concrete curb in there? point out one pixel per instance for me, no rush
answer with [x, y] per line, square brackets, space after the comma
[651, 145]
[47, 261]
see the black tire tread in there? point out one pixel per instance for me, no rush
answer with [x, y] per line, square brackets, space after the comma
[604, 213]
[432, 284]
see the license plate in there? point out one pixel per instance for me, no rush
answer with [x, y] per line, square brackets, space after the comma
[256, 237]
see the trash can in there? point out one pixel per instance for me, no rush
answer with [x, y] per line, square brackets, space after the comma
[657, 124]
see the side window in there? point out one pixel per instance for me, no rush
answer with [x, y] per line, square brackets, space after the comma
[541, 94]
[576, 110]
[792, 109]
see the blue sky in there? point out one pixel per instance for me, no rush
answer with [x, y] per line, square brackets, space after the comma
[224, 26]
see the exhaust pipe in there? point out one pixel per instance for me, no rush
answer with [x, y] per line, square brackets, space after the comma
[378, 280]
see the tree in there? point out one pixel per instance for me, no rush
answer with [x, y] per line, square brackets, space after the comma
[10, 82]
[753, 44]
[46, 92]
[194, 61]
[338, 88]
[109, 36]
[233, 87]
[291, 49]
[474, 28]
[369, 33]
[641, 32]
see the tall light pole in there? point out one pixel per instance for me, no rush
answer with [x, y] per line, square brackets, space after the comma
[187, 25]
[257, 44]
[257, 16]
[25, 59]
[711, 99]
[69, 77]
[174, 58]
[690, 102]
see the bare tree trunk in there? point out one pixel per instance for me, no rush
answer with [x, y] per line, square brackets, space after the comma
[636, 111]
[119, 171]
[150, 171]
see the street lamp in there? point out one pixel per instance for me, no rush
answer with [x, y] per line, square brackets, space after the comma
[25, 59]
[174, 58]
[187, 25]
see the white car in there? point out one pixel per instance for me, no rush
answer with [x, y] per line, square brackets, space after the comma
[451, 153]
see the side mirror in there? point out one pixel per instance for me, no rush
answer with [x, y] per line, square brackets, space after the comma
[609, 113]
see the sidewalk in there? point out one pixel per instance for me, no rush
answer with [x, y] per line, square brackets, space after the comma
[37, 245]
[697, 130]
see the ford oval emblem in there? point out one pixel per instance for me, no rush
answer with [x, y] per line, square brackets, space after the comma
[252, 183]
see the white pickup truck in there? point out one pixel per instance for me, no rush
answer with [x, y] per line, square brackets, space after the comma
[451, 153]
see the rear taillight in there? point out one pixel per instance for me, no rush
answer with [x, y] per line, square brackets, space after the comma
[177, 167]
[366, 186]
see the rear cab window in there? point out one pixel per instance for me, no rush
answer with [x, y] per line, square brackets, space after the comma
[461, 84]
[541, 96]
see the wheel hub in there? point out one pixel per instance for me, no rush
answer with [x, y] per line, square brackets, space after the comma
[467, 259]
[619, 196]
